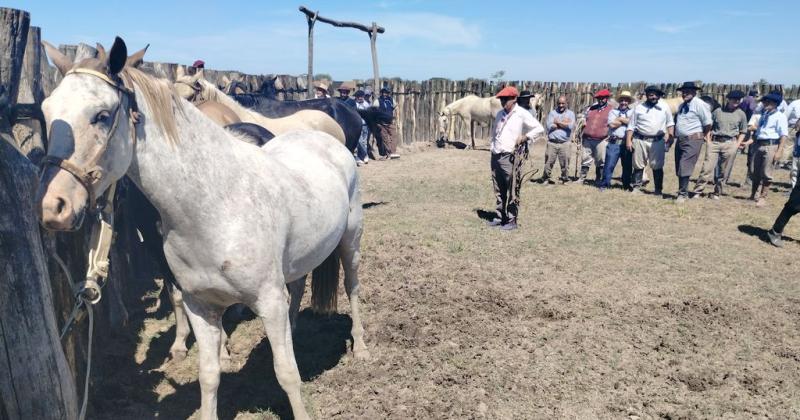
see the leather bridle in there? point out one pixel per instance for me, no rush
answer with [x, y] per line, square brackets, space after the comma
[92, 174]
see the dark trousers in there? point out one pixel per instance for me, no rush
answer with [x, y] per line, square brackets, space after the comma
[791, 208]
[507, 200]
[613, 153]
[627, 166]
[686, 153]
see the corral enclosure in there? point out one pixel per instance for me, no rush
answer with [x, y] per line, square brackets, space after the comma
[553, 307]
[419, 102]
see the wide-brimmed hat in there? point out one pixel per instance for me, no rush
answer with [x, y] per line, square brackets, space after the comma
[603, 93]
[689, 86]
[735, 94]
[507, 92]
[321, 86]
[344, 88]
[654, 89]
[771, 97]
[625, 94]
[525, 94]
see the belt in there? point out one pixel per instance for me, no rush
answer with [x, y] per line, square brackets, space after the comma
[641, 136]
[693, 136]
[557, 141]
[768, 142]
[615, 140]
[721, 138]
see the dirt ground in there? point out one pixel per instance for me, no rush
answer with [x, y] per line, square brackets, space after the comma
[602, 305]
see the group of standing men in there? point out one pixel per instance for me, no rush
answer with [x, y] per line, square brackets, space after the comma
[641, 136]
[376, 119]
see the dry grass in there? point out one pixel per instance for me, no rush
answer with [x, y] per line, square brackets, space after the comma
[602, 305]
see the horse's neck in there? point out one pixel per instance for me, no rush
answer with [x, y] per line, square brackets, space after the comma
[187, 180]
[211, 92]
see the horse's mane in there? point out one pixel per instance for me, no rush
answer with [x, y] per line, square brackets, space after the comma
[161, 98]
[211, 93]
[160, 95]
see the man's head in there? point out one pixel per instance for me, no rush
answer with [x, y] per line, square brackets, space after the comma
[344, 91]
[653, 94]
[624, 98]
[508, 97]
[199, 64]
[602, 96]
[360, 96]
[561, 104]
[771, 101]
[524, 99]
[688, 91]
[385, 92]
[734, 99]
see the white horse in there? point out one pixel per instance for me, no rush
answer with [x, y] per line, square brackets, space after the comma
[472, 109]
[300, 192]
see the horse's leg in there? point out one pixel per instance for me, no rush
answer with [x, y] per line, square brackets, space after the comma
[296, 290]
[182, 330]
[350, 251]
[472, 132]
[274, 312]
[224, 355]
[205, 320]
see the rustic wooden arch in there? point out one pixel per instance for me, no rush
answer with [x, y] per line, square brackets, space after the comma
[372, 31]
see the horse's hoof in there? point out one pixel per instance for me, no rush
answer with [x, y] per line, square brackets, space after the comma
[361, 353]
[178, 355]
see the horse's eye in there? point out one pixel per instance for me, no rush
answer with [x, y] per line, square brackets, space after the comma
[102, 117]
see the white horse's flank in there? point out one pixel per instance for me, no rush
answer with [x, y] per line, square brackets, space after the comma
[240, 222]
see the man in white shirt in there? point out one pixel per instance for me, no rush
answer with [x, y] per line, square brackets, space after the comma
[513, 128]
[650, 127]
[772, 130]
[793, 119]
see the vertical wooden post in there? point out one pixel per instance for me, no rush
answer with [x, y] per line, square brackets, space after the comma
[310, 77]
[373, 37]
[13, 37]
[28, 125]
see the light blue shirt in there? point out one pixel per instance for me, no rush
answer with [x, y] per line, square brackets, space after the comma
[793, 113]
[613, 115]
[559, 135]
[692, 117]
[772, 126]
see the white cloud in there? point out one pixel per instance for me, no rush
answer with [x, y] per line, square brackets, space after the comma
[431, 27]
[672, 28]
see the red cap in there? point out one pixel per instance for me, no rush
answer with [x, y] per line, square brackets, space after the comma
[198, 64]
[605, 93]
[507, 92]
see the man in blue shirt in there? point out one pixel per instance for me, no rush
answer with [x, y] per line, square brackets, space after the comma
[618, 120]
[772, 130]
[385, 133]
[559, 125]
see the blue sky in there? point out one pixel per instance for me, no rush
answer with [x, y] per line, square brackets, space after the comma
[603, 41]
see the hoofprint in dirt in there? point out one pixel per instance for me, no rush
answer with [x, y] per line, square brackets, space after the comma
[602, 305]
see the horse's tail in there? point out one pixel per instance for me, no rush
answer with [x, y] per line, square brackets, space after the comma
[325, 285]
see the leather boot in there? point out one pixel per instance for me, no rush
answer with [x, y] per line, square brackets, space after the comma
[636, 183]
[658, 180]
[598, 174]
[753, 190]
[762, 199]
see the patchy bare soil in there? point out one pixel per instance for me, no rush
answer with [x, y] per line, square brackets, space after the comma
[602, 305]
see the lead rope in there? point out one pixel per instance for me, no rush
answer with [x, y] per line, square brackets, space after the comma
[89, 292]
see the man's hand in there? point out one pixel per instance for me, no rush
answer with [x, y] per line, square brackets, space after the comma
[521, 139]
[629, 145]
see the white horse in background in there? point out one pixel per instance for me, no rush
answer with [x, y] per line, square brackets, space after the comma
[472, 109]
[241, 223]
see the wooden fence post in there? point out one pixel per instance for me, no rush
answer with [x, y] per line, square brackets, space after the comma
[310, 77]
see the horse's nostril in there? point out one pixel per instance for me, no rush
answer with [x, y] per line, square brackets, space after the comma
[60, 205]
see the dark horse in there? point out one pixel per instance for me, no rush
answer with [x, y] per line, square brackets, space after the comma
[266, 104]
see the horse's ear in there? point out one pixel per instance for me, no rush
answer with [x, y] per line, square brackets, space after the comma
[118, 56]
[180, 72]
[61, 61]
[137, 58]
[225, 80]
[101, 53]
